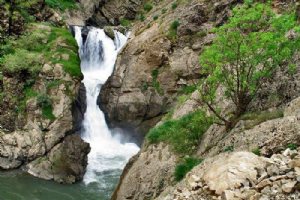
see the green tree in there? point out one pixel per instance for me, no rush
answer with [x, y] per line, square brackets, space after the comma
[245, 52]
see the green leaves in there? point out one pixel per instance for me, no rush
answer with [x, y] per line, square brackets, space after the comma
[246, 51]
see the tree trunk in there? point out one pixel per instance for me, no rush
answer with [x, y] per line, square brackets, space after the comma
[10, 17]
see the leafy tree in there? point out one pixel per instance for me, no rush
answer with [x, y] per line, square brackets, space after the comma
[245, 52]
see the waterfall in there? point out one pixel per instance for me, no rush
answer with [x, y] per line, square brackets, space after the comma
[108, 156]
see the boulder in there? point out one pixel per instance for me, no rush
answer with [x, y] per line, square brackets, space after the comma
[65, 163]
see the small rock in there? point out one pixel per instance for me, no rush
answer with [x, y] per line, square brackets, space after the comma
[288, 187]
[273, 170]
[263, 176]
[263, 184]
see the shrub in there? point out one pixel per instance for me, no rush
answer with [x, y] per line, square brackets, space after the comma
[229, 149]
[125, 22]
[148, 6]
[22, 60]
[142, 17]
[256, 151]
[174, 5]
[183, 134]
[164, 10]
[155, 17]
[182, 169]
[292, 146]
[172, 34]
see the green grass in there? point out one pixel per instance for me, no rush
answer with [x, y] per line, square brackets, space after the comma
[45, 103]
[61, 4]
[228, 149]
[186, 166]
[257, 118]
[184, 134]
[188, 89]
[155, 82]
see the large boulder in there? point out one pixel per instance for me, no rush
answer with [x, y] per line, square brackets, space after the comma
[147, 174]
[240, 175]
[65, 163]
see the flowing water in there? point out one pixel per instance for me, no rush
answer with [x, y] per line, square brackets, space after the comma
[108, 154]
[98, 54]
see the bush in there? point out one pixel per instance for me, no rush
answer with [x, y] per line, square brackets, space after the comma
[174, 5]
[172, 34]
[22, 61]
[183, 134]
[125, 22]
[164, 10]
[142, 17]
[155, 17]
[148, 7]
[256, 151]
[182, 169]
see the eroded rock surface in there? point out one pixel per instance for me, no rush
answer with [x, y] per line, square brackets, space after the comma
[147, 174]
[241, 175]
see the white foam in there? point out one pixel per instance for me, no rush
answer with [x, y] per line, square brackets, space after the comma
[98, 56]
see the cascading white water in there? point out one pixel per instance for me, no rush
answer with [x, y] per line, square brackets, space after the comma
[98, 54]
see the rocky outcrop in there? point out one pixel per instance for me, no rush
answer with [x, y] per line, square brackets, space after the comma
[65, 163]
[153, 67]
[43, 118]
[270, 137]
[100, 13]
[147, 174]
[241, 175]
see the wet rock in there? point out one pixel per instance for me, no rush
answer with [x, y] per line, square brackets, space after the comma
[65, 163]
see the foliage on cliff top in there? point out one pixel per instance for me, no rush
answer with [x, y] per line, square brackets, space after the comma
[246, 52]
[41, 44]
[61, 4]
[183, 134]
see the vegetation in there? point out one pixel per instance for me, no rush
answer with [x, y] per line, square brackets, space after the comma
[256, 151]
[245, 53]
[292, 146]
[17, 12]
[260, 117]
[155, 17]
[183, 168]
[172, 34]
[45, 103]
[148, 6]
[61, 4]
[125, 22]
[229, 149]
[183, 134]
[155, 82]
[174, 5]
[41, 44]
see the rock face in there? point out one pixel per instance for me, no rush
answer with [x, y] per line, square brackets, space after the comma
[65, 163]
[270, 137]
[36, 133]
[241, 175]
[102, 12]
[147, 174]
[153, 67]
